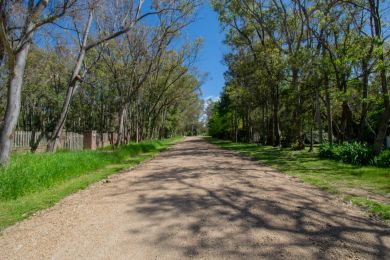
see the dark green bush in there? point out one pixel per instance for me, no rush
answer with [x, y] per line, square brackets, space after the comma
[383, 159]
[328, 152]
[353, 153]
[298, 146]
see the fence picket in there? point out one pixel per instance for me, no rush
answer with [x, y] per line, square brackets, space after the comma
[22, 141]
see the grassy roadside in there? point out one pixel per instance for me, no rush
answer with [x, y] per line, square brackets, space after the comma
[34, 182]
[367, 186]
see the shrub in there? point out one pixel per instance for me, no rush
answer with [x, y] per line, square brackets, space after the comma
[298, 145]
[383, 159]
[354, 153]
[328, 152]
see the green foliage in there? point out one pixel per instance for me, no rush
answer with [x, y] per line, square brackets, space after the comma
[282, 87]
[13, 210]
[327, 152]
[218, 126]
[219, 119]
[157, 87]
[353, 153]
[30, 173]
[383, 159]
[298, 146]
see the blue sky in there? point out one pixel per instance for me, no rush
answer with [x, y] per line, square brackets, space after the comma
[211, 55]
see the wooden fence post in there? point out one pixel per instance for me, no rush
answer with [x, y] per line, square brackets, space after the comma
[90, 140]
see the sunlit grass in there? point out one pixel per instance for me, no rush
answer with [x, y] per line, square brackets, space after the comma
[37, 181]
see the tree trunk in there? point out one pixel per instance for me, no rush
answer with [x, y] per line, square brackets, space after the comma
[53, 142]
[270, 135]
[329, 111]
[13, 102]
[137, 125]
[313, 123]
[385, 117]
[318, 116]
[36, 141]
[346, 117]
[137, 134]
[264, 126]
[121, 128]
[235, 122]
[298, 135]
[363, 116]
[72, 87]
[276, 126]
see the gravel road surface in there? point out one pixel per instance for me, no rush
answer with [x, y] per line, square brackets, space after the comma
[198, 201]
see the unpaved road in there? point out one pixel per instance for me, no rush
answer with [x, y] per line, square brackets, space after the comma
[197, 200]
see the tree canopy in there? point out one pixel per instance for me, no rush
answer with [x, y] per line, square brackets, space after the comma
[301, 72]
[110, 66]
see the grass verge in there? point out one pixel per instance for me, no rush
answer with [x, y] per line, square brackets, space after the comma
[34, 182]
[366, 186]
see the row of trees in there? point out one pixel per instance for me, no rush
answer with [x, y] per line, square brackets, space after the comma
[304, 66]
[91, 64]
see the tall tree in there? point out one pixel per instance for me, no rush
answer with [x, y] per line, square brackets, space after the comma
[19, 20]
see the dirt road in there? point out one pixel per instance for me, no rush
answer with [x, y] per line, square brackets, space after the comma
[197, 200]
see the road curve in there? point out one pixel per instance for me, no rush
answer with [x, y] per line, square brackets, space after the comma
[197, 200]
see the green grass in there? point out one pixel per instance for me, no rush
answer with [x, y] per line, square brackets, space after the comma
[32, 182]
[358, 184]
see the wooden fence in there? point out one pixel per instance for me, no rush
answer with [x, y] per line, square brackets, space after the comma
[103, 139]
[22, 141]
[70, 141]
[73, 141]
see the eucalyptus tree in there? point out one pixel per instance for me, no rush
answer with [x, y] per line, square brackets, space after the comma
[44, 87]
[19, 21]
[139, 57]
[310, 60]
[377, 23]
[172, 76]
[254, 24]
[128, 63]
[126, 15]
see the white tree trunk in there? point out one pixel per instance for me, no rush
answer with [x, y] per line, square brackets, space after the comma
[122, 116]
[13, 103]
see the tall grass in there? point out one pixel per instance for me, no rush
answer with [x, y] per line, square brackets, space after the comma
[29, 173]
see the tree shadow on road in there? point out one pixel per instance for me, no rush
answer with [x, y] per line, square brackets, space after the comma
[225, 208]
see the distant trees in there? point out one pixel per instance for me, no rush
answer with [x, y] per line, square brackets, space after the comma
[304, 69]
[93, 62]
